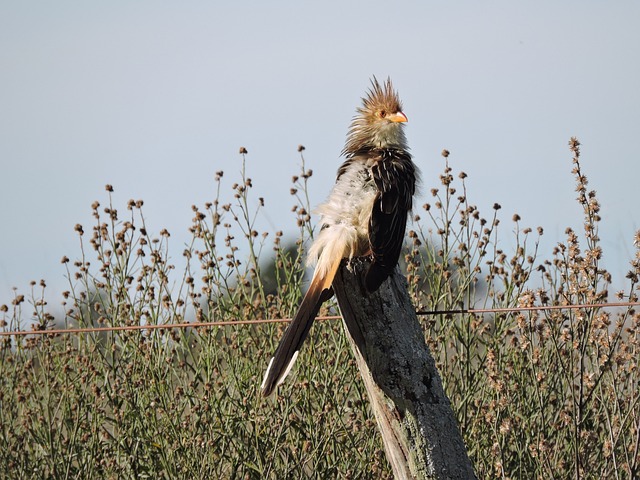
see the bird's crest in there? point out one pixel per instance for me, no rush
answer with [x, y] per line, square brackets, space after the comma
[380, 97]
[378, 123]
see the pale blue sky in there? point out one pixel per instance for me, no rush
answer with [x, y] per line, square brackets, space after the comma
[155, 96]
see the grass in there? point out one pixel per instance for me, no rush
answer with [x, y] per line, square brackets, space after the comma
[538, 394]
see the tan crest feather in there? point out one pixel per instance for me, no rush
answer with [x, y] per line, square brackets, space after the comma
[369, 128]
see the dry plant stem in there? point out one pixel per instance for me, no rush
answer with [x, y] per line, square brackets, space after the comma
[418, 427]
[546, 388]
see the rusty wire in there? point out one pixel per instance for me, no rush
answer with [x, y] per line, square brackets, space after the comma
[63, 331]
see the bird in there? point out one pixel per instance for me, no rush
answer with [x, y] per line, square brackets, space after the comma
[365, 214]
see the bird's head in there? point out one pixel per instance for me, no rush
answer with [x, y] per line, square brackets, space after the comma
[379, 121]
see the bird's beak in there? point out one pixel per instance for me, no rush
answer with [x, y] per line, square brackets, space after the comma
[397, 117]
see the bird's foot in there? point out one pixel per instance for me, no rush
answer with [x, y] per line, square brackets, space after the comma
[359, 265]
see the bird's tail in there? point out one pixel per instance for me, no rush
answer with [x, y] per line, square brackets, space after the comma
[295, 335]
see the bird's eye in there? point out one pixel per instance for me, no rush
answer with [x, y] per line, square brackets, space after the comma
[382, 114]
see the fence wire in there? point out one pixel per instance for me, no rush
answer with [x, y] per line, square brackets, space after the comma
[223, 323]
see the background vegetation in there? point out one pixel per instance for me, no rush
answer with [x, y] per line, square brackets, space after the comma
[538, 393]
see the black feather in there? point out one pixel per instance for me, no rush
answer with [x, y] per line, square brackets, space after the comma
[395, 177]
[295, 335]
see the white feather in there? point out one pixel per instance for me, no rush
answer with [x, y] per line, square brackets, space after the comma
[288, 369]
[283, 375]
[344, 217]
[266, 374]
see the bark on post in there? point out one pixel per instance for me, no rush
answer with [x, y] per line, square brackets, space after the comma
[419, 431]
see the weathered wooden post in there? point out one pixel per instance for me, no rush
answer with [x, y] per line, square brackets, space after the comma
[419, 431]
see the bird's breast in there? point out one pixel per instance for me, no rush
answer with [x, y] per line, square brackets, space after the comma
[351, 199]
[345, 215]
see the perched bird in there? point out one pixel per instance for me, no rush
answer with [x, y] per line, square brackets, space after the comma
[365, 214]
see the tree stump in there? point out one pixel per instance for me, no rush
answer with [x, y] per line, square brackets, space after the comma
[419, 431]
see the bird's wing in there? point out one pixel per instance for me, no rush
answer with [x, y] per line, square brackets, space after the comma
[394, 176]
